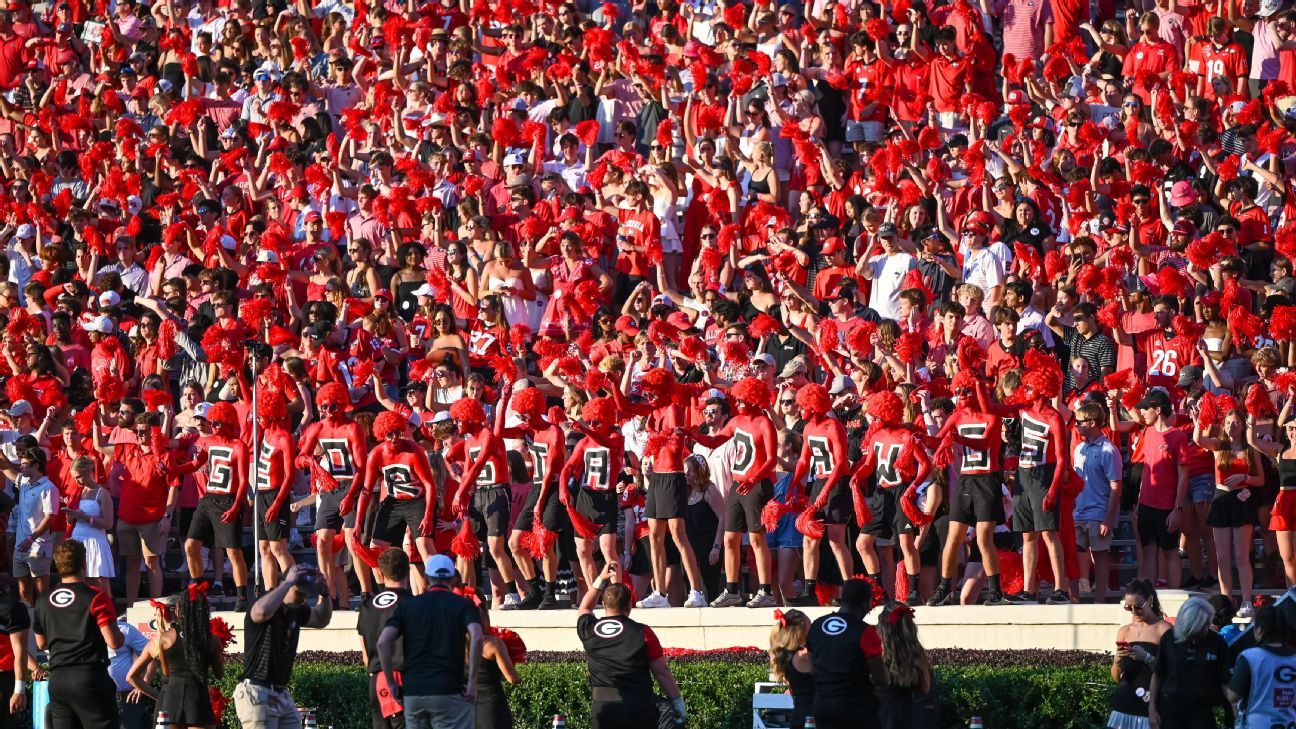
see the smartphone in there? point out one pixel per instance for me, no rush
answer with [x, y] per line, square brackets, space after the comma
[1122, 644]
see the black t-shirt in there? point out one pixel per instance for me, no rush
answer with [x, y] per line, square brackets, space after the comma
[272, 645]
[70, 616]
[618, 652]
[433, 626]
[840, 645]
[14, 618]
[1191, 673]
[373, 617]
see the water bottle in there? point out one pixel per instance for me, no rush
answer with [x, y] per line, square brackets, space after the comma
[559, 722]
[163, 720]
[809, 722]
[308, 720]
[976, 723]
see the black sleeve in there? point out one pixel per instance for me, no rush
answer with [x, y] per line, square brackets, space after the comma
[1241, 682]
[397, 619]
[13, 615]
[585, 626]
[1161, 666]
[7, 502]
[1223, 666]
[471, 615]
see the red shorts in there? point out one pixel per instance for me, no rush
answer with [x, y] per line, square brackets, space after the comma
[1282, 516]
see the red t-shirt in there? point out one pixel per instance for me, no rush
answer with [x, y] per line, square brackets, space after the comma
[1163, 453]
[949, 78]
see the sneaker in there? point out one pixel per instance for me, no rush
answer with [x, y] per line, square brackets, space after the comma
[215, 591]
[1245, 612]
[942, 596]
[1192, 583]
[914, 599]
[532, 600]
[695, 599]
[241, 606]
[1059, 597]
[511, 602]
[655, 600]
[762, 599]
[1209, 582]
[1023, 598]
[805, 599]
[996, 599]
[549, 603]
[727, 599]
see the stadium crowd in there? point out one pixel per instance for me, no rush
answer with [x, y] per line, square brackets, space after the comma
[747, 298]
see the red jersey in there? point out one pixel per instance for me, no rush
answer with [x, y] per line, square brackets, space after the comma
[1157, 57]
[874, 82]
[1166, 356]
[949, 79]
[911, 78]
[1228, 63]
[343, 445]
[144, 483]
[642, 229]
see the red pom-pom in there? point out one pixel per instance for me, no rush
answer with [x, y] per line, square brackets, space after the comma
[1120, 380]
[1282, 323]
[465, 544]
[1258, 403]
[909, 348]
[878, 29]
[763, 325]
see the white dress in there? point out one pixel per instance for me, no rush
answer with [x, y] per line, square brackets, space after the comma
[515, 310]
[99, 557]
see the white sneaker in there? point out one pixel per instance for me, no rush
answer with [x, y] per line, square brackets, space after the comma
[511, 601]
[1246, 612]
[762, 599]
[655, 600]
[695, 599]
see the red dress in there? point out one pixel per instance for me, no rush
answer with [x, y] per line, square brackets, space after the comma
[1282, 516]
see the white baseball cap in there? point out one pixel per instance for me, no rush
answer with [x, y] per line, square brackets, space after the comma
[20, 408]
[425, 290]
[514, 159]
[200, 410]
[100, 324]
[25, 231]
[109, 298]
[1268, 7]
[267, 256]
[134, 204]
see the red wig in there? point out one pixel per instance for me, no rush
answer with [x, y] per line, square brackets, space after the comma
[814, 399]
[334, 393]
[886, 407]
[529, 402]
[753, 392]
[468, 411]
[387, 423]
[602, 410]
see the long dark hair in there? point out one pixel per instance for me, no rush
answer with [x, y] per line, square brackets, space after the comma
[193, 627]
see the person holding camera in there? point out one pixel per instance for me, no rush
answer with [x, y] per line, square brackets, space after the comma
[623, 656]
[271, 631]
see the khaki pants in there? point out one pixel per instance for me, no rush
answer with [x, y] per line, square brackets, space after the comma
[261, 707]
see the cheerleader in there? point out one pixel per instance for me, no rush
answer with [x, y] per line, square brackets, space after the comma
[790, 662]
[186, 650]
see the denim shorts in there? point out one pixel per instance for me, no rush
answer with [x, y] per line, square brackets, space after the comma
[1201, 488]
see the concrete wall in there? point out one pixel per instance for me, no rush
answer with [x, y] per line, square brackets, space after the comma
[1082, 627]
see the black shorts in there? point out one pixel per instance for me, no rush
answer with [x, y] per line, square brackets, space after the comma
[667, 496]
[1230, 511]
[978, 498]
[489, 511]
[82, 696]
[208, 528]
[276, 530]
[1003, 542]
[838, 509]
[641, 557]
[394, 516]
[743, 511]
[615, 709]
[1029, 514]
[552, 515]
[599, 507]
[328, 513]
[883, 503]
[1152, 528]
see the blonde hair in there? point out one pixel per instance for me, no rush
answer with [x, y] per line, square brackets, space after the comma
[697, 472]
[786, 640]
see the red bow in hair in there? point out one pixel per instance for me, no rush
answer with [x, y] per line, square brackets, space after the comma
[780, 617]
[470, 594]
[197, 590]
[894, 616]
[162, 608]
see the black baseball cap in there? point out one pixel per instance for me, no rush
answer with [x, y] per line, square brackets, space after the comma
[1156, 398]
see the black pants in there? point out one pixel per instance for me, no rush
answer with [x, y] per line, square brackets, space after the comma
[380, 721]
[82, 697]
[6, 690]
[613, 709]
[137, 715]
[844, 713]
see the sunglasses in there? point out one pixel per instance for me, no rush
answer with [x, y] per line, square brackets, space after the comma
[1135, 608]
[787, 402]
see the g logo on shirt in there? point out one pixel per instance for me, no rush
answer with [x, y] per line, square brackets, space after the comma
[834, 626]
[384, 599]
[1285, 674]
[62, 597]
[608, 629]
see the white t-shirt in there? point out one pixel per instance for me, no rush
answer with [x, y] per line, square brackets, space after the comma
[888, 273]
[36, 499]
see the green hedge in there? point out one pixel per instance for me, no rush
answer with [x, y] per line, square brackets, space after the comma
[718, 692]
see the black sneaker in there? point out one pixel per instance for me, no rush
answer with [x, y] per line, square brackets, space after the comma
[549, 603]
[1192, 583]
[805, 599]
[1022, 598]
[914, 599]
[1059, 597]
[241, 606]
[1207, 583]
[996, 599]
[942, 596]
[532, 600]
